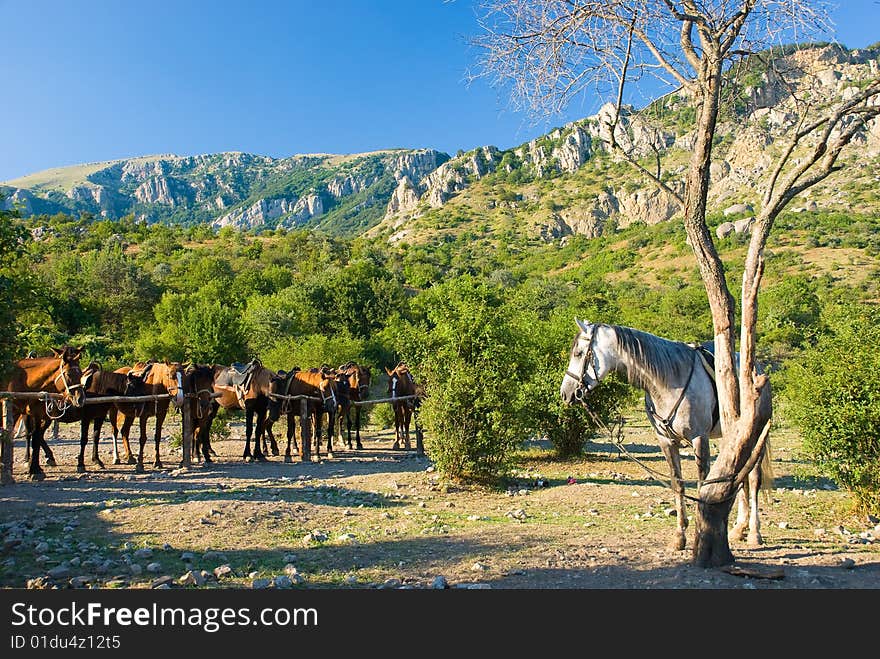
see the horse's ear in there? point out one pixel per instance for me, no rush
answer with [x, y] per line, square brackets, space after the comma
[387, 371]
[583, 324]
[57, 352]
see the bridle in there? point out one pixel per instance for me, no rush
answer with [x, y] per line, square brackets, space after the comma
[589, 360]
[69, 390]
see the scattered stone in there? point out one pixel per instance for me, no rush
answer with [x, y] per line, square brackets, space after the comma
[315, 536]
[59, 572]
[783, 525]
[290, 569]
[116, 583]
[347, 513]
[519, 514]
[351, 580]
[154, 567]
[479, 567]
[260, 584]
[391, 583]
[144, 552]
[282, 581]
[289, 558]
[192, 578]
[479, 586]
[386, 516]
[136, 569]
[42, 547]
[669, 512]
[347, 537]
[80, 582]
[42, 559]
[847, 564]
[187, 557]
[593, 511]
[439, 582]
[253, 575]
[222, 571]
[430, 469]
[165, 580]
[166, 546]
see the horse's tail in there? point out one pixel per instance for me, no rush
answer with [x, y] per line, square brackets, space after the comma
[767, 475]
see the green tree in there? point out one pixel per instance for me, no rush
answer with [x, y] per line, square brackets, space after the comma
[832, 393]
[12, 284]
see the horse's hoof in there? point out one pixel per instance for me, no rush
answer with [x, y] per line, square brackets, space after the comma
[80, 468]
[276, 452]
[678, 543]
[395, 446]
[130, 460]
[139, 468]
[208, 460]
[288, 459]
[37, 475]
[755, 540]
[261, 458]
[360, 446]
[117, 461]
[157, 465]
[51, 462]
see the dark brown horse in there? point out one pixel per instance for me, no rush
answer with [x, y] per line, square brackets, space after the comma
[359, 379]
[159, 378]
[246, 387]
[401, 383]
[198, 383]
[60, 373]
[315, 383]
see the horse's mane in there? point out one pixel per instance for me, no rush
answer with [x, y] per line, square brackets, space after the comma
[669, 362]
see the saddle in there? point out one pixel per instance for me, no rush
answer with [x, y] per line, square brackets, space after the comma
[238, 377]
[706, 353]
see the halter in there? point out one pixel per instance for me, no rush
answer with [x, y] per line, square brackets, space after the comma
[68, 389]
[589, 358]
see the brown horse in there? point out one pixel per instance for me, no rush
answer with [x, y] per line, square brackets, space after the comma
[246, 387]
[60, 373]
[401, 383]
[159, 378]
[198, 383]
[98, 382]
[359, 379]
[315, 383]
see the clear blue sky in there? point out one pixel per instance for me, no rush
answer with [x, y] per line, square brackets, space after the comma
[97, 80]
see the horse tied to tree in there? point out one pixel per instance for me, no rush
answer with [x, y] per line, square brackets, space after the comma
[681, 402]
[320, 387]
[401, 384]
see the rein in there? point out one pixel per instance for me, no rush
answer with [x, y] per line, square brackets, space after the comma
[653, 473]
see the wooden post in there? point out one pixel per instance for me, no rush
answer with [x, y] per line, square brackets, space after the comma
[187, 441]
[6, 477]
[305, 424]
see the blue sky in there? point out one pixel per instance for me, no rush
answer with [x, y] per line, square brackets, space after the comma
[98, 80]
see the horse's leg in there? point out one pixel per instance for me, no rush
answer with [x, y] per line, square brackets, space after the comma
[96, 435]
[701, 456]
[83, 440]
[316, 433]
[249, 429]
[331, 420]
[142, 441]
[754, 480]
[673, 459]
[290, 428]
[261, 435]
[397, 420]
[160, 419]
[35, 472]
[347, 418]
[742, 514]
[50, 457]
[126, 429]
[272, 441]
[357, 428]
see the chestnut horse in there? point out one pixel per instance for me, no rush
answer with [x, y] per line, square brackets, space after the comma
[246, 387]
[60, 373]
[159, 378]
[401, 383]
[315, 383]
[359, 380]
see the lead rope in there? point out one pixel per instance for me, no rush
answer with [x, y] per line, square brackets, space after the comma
[653, 473]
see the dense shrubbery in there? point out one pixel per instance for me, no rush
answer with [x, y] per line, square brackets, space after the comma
[832, 393]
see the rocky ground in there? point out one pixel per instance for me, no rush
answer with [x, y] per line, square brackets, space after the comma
[378, 518]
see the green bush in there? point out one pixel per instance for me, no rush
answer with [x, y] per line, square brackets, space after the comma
[832, 393]
[471, 355]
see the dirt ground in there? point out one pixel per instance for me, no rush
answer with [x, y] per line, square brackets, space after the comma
[378, 518]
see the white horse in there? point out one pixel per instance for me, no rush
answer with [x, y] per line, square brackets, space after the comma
[681, 402]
